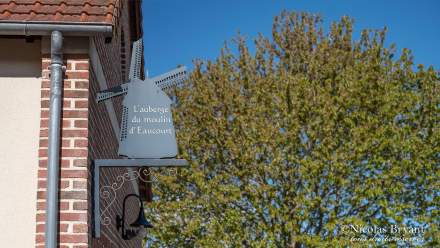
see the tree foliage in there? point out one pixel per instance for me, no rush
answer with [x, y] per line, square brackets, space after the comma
[312, 131]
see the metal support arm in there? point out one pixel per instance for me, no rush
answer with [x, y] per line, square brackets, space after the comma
[99, 163]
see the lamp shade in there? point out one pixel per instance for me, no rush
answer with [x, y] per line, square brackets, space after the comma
[141, 221]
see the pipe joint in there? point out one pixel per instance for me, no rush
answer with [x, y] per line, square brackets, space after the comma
[56, 48]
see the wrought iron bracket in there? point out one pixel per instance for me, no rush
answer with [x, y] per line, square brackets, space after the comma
[100, 163]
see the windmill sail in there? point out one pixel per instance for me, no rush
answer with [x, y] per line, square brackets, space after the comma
[136, 61]
[165, 81]
[134, 72]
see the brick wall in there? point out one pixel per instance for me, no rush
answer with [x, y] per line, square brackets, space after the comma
[87, 134]
[73, 196]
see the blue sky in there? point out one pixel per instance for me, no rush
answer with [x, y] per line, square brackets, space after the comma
[178, 31]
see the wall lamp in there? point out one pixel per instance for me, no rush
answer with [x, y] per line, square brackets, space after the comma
[137, 226]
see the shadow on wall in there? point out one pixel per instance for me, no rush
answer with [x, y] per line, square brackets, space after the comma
[20, 58]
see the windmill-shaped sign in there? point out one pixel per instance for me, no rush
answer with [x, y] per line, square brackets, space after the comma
[147, 134]
[147, 129]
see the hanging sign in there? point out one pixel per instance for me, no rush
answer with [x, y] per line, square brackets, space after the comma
[147, 129]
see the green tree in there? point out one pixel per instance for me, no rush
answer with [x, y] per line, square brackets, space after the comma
[312, 131]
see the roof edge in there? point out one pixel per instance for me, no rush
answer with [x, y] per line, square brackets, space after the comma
[54, 22]
[27, 28]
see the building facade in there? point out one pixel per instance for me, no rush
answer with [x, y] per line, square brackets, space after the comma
[93, 61]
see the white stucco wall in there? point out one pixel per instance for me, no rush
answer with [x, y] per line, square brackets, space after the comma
[19, 139]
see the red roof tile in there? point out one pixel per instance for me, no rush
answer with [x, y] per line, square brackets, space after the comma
[69, 11]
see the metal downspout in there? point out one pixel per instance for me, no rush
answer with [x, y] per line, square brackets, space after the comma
[56, 85]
